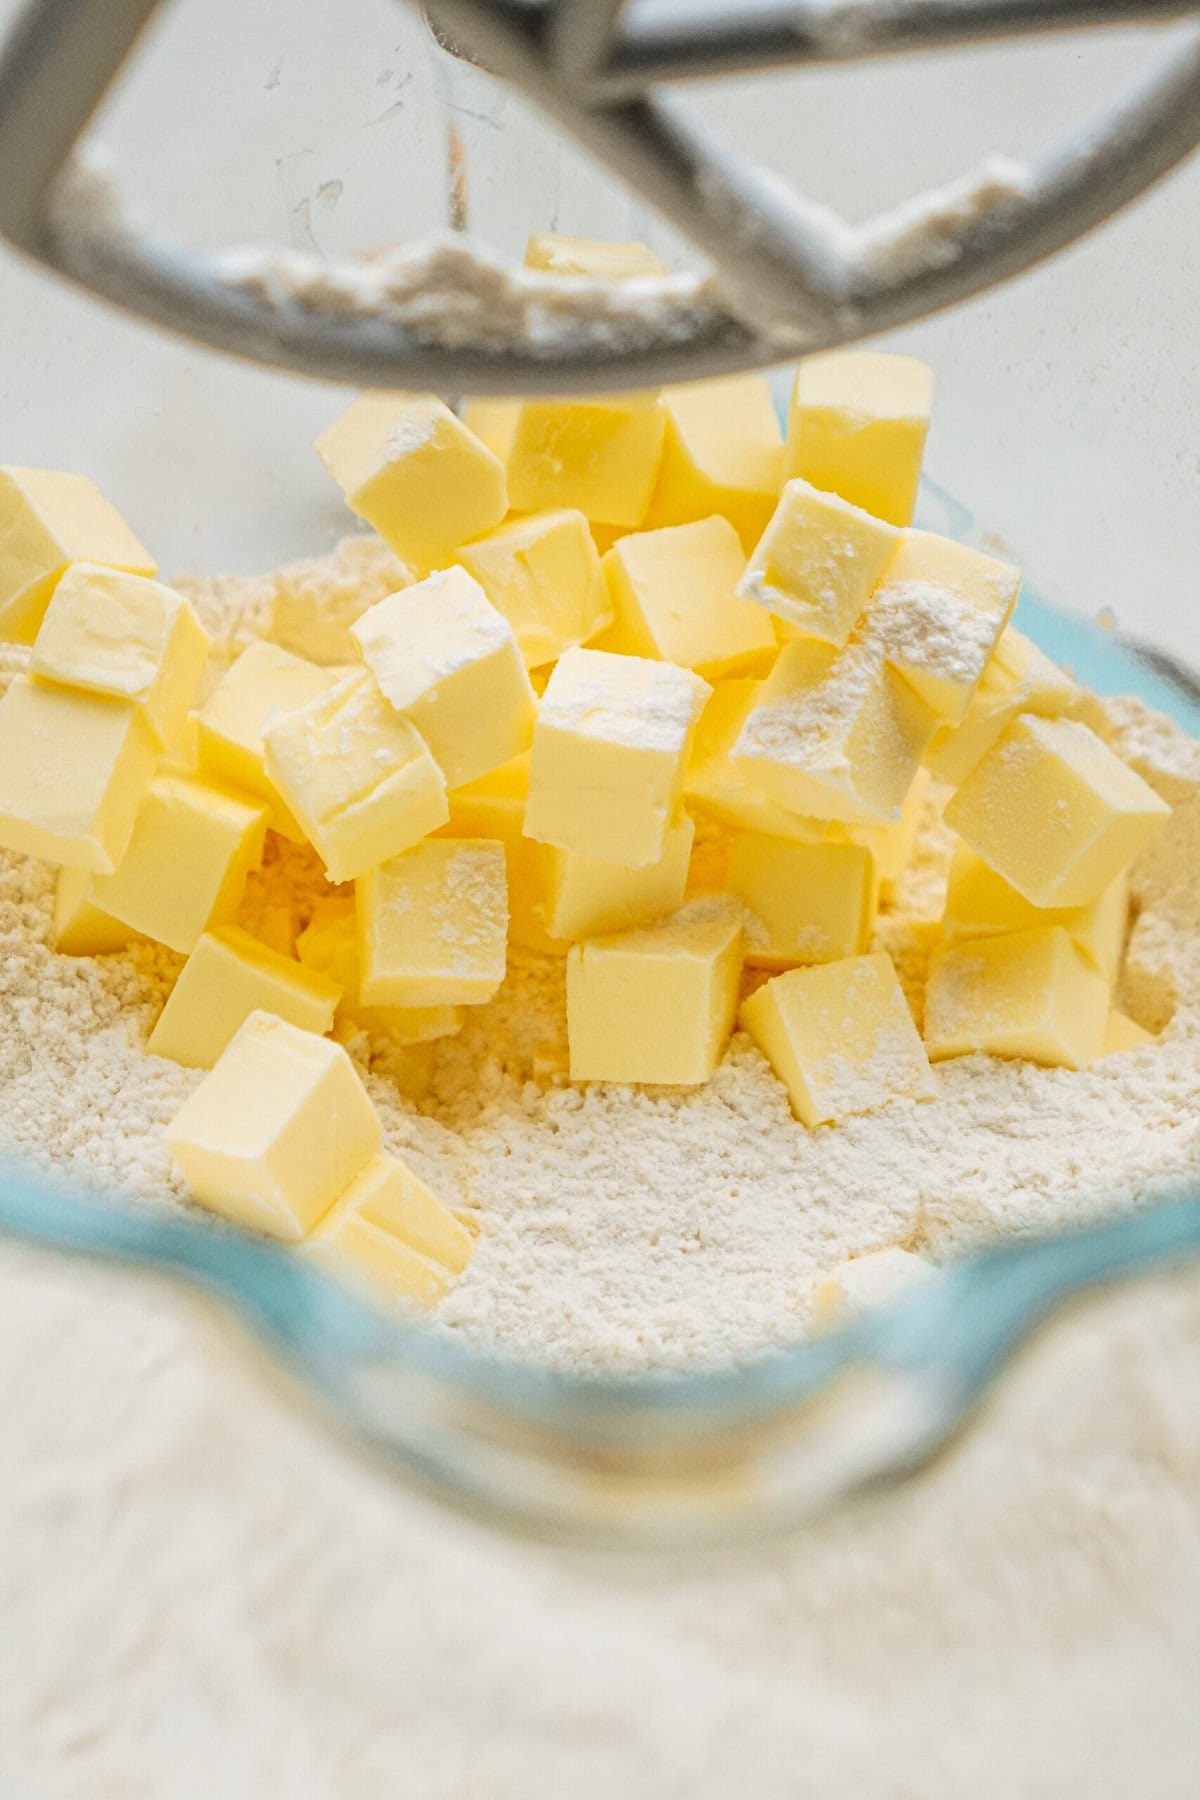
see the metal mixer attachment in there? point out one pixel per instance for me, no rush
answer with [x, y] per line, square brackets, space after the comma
[783, 275]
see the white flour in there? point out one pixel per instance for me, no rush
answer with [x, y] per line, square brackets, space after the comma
[199, 1599]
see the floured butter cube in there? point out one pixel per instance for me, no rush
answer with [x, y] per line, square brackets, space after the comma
[840, 1037]
[416, 473]
[393, 1199]
[863, 1283]
[1055, 812]
[73, 770]
[264, 681]
[587, 897]
[47, 521]
[723, 453]
[609, 753]
[358, 776]
[81, 929]
[656, 1005]
[1122, 1033]
[228, 976]
[329, 945]
[1031, 995]
[980, 903]
[448, 661]
[818, 562]
[494, 807]
[806, 903]
[192, 848]
[433, 925]
[673, 595]
[543, 575]
[600, 455]
[939, 610]
[276, 1131]
[1018, 679]
[554, 253]
[108, 632]
[391, 1236]
[835, 734]
[712, 786]
[857, 427]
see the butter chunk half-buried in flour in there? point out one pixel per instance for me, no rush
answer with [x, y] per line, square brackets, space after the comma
[1030, 994]
[228, 976]
[390, 1236]
[329, 945]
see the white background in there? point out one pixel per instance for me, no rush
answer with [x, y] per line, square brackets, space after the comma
[1069, 404]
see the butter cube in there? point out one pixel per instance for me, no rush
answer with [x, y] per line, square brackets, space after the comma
[125, 636]
[857, 427]
[448, 661]
[656, 1005]
[835, 735]
[193, 846]
[276, 1131]
[263, 682]
[494, 807]
[556, 254]
[358, 777]
[390, 1197]
[81, 929]
[433, 925]
[494, 423]
[722, 453]
[609, 753]
[980, 903]
[806, 903]
[1031, 994]
[600, 455]
[416, 473]
[48, 520]
[228, 976]
[674, 595]
[1018, 679]
[840, 1037]
[329, 945]
[939, 610]
[543, 575]
[818, 562]
[1121, 1034]
[352, 1250]
[1055, 812]
[713, 787]
[864, 1283]
[73, 770]
[586, 897]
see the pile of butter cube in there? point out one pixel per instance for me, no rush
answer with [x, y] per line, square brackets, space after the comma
[625, 616]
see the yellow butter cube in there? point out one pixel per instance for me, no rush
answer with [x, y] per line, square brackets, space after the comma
[713, 787]
[806, 903]
[47, 521]
[1018, 679]
[329, 945]
[840, 1037]
[228, 976]
[543, 575]
[939, 611]
[656, 1005]
[722, 453]
[835, 735]
[193, 846]
[980, 903]
[81, 929]
[494, 807]
[356, 774]
[1121, 1034]
[857, 427]
[416, 473]
[599, 258]
[263, 682]
[674, 595]
[587, 897]
[433, 925]
[609, 753]
[276, 1131]
[1031, 995]
[600, 455]
[1055, 812]
[389, 1196]
[494, 423]
[108, 632]
[73, 770]
[864, 1283]
[352, 1250]
[818, 562]
[449, 662]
